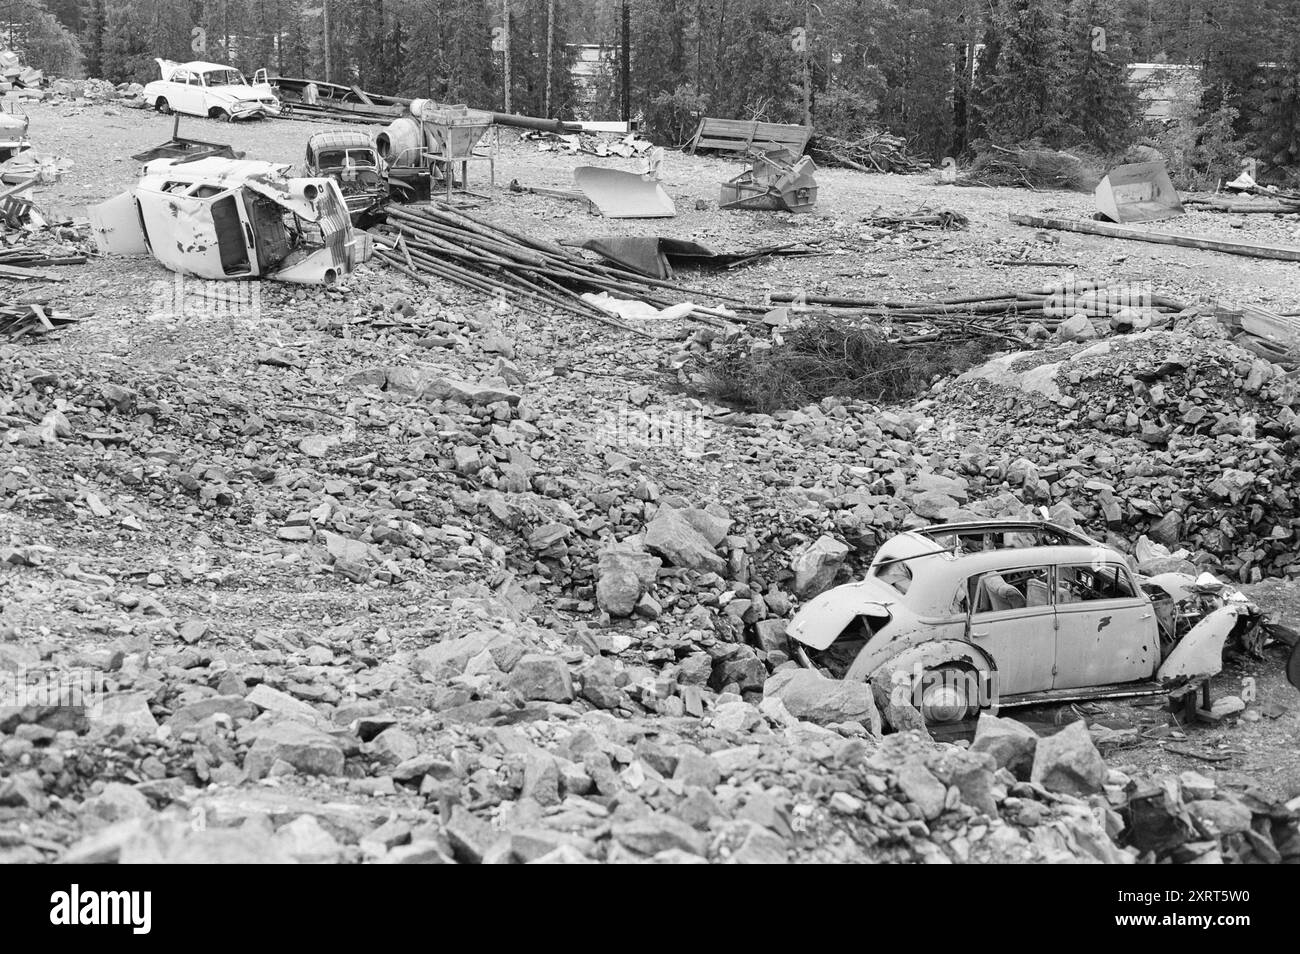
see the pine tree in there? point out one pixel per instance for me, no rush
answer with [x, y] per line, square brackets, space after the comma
[1275, 128]
[1019, 89]
[1100, 106]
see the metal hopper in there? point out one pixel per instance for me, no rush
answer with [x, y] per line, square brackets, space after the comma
[1138, 192]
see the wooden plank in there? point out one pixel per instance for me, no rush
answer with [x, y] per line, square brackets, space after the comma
[1088, 227]
[27, 274]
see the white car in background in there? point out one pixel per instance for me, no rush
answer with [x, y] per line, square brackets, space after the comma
[211, 90]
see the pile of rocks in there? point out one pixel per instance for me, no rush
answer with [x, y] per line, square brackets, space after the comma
[94, 90]
[505, 743]
[1188, 439]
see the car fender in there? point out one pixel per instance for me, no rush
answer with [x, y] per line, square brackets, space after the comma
[220, 98]
[823, 618]
[895, 669]
[1199, 654]
[919, 648]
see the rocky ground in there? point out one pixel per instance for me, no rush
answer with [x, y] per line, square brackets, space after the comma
[388, 573]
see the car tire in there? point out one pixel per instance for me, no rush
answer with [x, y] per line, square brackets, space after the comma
[950, 694]
[220, 115]
[163, 106]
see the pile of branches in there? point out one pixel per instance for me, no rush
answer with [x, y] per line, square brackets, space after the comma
[998, 315]
[1032, 166]
[874, 151]
[924, 218]
[30, 319]
[830, 357]
[439, 242]
[877, 350]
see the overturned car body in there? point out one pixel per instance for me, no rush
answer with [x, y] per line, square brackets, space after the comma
[221, 218]
[956, 618]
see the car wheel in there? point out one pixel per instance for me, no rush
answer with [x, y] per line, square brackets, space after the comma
[221, 116]
[163, 106]
[949, 694]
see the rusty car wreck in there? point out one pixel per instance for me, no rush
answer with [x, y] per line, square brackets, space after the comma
[955, 618]
[218, 218]
[349, 158]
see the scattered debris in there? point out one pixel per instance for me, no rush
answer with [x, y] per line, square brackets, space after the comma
[178, 147]
[775, 181]
[629, 147]
[1272, 336]
[655, 256]
[1256, 205]
[1088, 227]
[24, 320]
[924, 218]
[13, 75]
[440, 241]
[1035, 313]
[568, 195]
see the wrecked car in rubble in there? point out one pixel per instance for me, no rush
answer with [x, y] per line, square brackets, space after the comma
[221, 218]
[349, 158]
[955, 618]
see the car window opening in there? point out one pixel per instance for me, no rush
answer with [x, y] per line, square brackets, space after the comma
[985, 539]
[1003, 590]
[231, 243]
[1083, 584]
[271, 236]
[898, 575]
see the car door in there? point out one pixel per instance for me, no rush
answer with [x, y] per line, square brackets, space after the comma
[1106, 630]
[180, 94]
[1010, 616]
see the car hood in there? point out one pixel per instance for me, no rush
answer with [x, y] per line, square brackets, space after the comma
[236, 93]
[823, 618]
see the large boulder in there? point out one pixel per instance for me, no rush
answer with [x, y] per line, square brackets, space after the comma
[922, 788]
[675, 538]
[544, 678]
[1011, 743]
[816, 565]
[1069, 763]
[308, 750]
[622, 576]
[810, 696]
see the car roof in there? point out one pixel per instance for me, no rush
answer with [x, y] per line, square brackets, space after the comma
[340, 138]
[1046, 528]
[936, 571]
